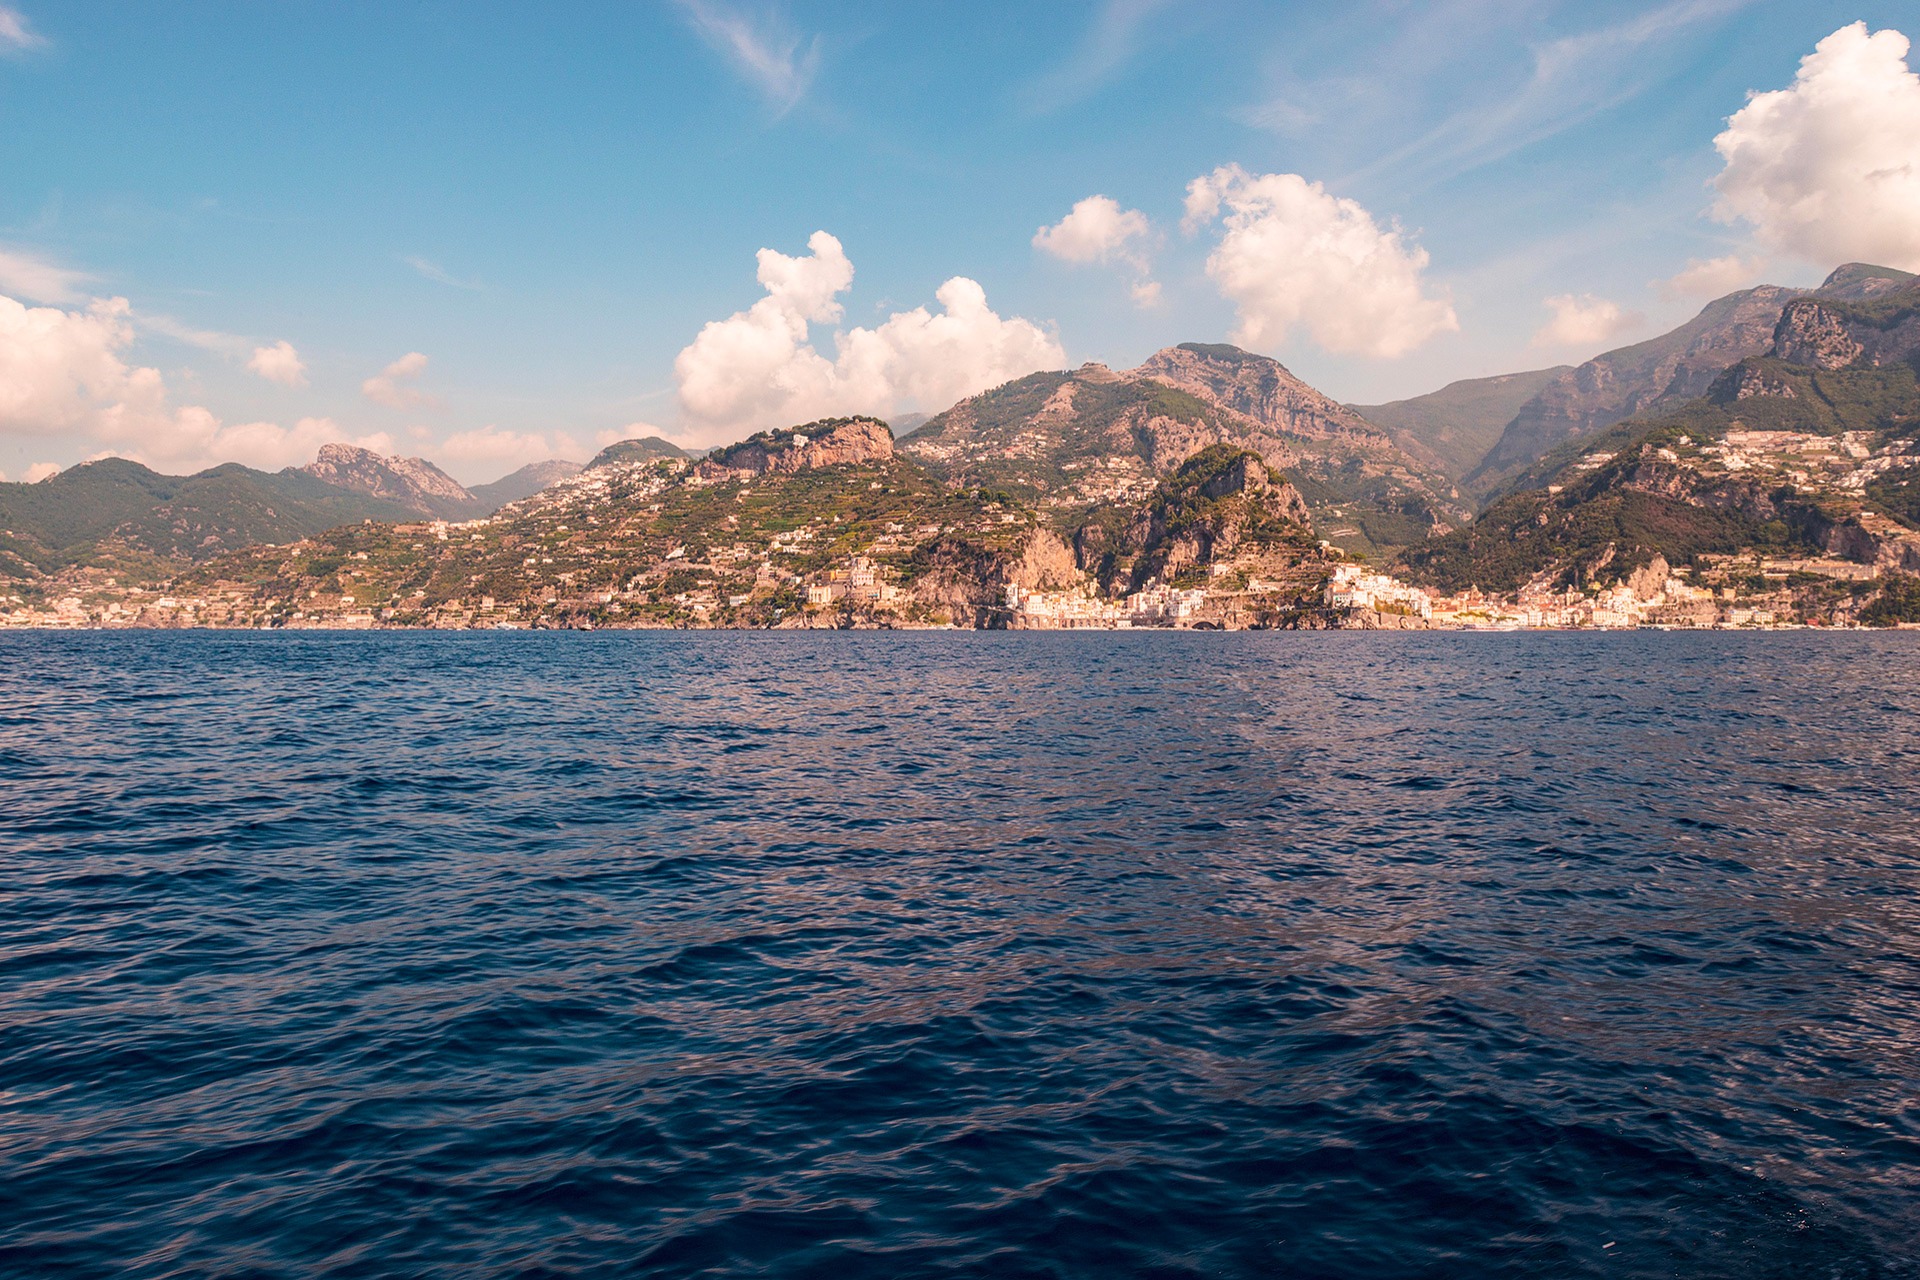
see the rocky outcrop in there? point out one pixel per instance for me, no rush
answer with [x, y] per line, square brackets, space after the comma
[1839, 335]
[829, 443]
[414, 483]
[966, 580]
[1811, 334]
[1258, 387]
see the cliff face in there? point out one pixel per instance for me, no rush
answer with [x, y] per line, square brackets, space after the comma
[833, 442]
[1259, 388]
[410, 482]
[1094, 437]
[1838, 335]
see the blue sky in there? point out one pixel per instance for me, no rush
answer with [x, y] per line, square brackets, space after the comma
[549, 202]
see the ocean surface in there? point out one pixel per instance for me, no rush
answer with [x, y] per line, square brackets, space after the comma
[865, 955]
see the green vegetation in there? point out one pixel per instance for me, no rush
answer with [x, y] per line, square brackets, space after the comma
[1898, 601]
[118, 514]
[1461, 422]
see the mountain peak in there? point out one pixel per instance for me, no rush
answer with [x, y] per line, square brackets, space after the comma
[1859, 281]
[411, 482]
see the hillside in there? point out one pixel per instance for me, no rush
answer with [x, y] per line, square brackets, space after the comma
[1069, 442]
[641, 449]
[1459, 423]
[1808, 453]
[118, 513]
[1659, 375]
[524, 483]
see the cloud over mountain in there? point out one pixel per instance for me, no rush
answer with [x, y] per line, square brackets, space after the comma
[1584, 321]
[390, 387]
[758, 368]
[1293, 256]
[63, 374]
[1828, 169]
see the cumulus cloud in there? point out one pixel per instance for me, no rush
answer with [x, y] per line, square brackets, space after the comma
[1294, 256]
[493, 452]
[279, 363]
[385, 387]
[1584, 321]
[62, 374]
[1098, 230]
[1828, 170]
[40, 471]
[1712, 277]
[758, 368]
[25, 276]
[15, 35]
[1095, 230]
[773, 59]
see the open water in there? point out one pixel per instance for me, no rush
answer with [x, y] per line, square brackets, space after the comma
[959, 955]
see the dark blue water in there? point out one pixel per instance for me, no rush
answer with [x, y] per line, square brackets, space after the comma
[960, 955]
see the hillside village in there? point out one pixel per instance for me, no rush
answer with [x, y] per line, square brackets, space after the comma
[1206, 489]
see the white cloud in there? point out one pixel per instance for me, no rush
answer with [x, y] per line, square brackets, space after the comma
[1113, 41]
[279, 363]
[438, 274]
[40, 471]
[1584, 321]
[62, 375]
[26, 276]
[1712, 277]
[1828, 170]
[492, 452]
[15, 34]
[776, 61]
[385, 387]
[1294, 256]
[1097, 229]
[758, 369]
[227, 344]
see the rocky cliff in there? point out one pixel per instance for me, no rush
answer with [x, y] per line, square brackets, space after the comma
[414, 483]
[828, 443]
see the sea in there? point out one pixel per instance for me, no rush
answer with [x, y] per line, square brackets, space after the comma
[959, 954]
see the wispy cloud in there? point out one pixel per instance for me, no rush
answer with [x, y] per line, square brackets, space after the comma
[226, 344]
[28, 276]
[1573, 79]
[765, 51]
[16, 36]
[386, 386]
[1109, 45]
[437, 273]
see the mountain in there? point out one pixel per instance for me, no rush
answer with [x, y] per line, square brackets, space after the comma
[1660, 374]
[115, 512]
[1460, 422]
[1801, 464]
[907, 423]
[524, 483]
[643, 449]
[412, 483]
[1072, 441]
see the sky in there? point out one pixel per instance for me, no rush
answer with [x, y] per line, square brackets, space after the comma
[493, 233]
